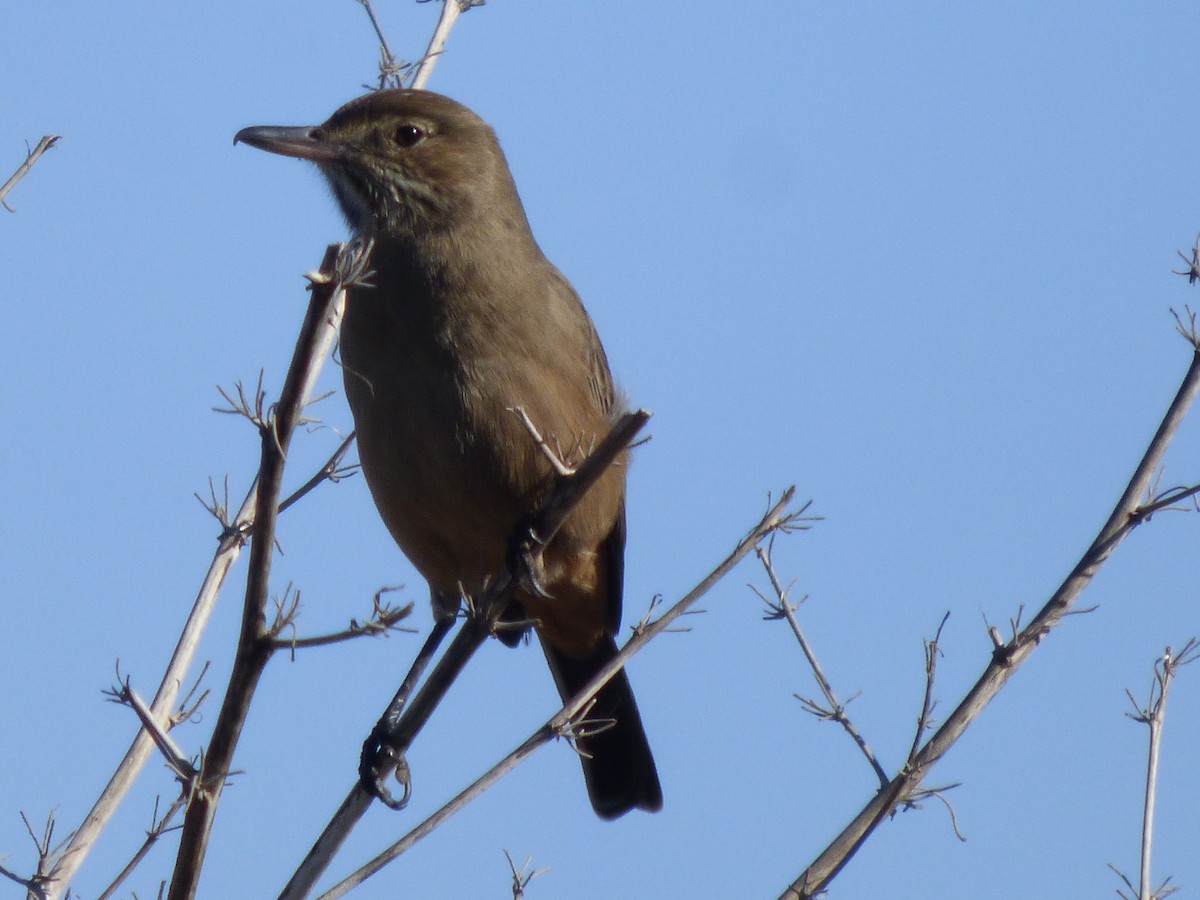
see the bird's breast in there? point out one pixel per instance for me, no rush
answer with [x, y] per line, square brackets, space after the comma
[442, 378]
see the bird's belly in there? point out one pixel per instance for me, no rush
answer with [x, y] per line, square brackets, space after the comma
[450, 464]
[437, 487]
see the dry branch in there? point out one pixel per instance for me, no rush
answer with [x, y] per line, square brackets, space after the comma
[235, 531]
[1153, 715]
[23, 169]
[342, 266]
[1133, 508]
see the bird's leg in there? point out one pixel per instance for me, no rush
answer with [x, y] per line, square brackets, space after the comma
[380, 756]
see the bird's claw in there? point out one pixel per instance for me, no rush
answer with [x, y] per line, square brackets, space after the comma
[379, 758]
[533, 567]
[526, 562]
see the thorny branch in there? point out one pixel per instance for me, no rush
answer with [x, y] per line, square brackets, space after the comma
[648, 618]
[241, 527]
[333, 471]
[833, 710]
[451, 10]
[392, 71]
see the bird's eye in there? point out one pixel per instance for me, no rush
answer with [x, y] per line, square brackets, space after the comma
[409, 135]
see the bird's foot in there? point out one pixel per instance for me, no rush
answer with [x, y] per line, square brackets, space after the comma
[380, 759]
[527, 563]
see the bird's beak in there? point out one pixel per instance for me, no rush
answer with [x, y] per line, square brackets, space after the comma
[300, 142]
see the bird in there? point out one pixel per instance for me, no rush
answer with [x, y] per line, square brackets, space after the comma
[463, 336]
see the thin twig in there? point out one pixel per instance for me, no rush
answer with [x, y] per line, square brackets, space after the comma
[383, 620]
[521, 879]
[451, 10]
[1153, 715]
[332, 471]
[932, 652]
[158, 827]
[31, 157]
[833, 709]
[390, 69]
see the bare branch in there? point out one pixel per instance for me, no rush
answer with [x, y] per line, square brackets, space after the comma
[176, 760]
[383, 620]
[333, 471]
[35, 886]
[932, 652]
[391, 70]
[227, 553]
[48, 857]
[1153, 715]
[31, 156]
[833, 709]
[451, 10]
[1006, 659]
[158, 827]
[341, 267]
[228, 550]
[1168, 500]
[648, 619]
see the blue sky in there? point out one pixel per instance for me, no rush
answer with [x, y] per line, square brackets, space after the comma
[913, 259]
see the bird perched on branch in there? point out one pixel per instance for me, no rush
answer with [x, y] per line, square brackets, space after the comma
[466, 336]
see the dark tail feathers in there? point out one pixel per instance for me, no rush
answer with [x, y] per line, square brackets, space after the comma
[617, 763]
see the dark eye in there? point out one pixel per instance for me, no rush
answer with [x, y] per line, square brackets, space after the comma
[409, 135]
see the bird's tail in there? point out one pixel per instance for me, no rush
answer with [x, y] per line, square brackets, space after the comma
[617, 763]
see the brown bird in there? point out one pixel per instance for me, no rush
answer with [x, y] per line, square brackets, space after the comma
[464, 323]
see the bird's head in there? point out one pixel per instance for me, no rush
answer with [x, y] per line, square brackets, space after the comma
[401, 161]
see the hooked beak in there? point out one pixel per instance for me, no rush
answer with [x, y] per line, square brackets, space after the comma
[300, 142]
